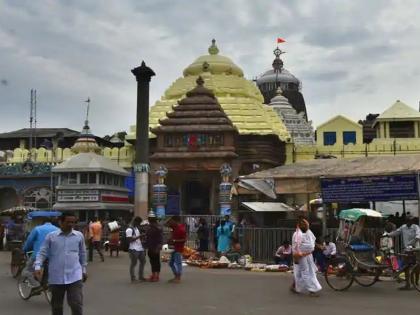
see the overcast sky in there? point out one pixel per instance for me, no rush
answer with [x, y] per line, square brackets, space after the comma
[352, 56]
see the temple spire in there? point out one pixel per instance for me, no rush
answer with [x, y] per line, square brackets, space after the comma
[213, 50]
[278, 63]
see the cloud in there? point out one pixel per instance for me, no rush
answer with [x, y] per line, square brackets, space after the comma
[352, 57]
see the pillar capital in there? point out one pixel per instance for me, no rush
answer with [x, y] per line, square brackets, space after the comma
[143, 73]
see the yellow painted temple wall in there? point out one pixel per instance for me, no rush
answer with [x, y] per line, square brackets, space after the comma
[123, 156]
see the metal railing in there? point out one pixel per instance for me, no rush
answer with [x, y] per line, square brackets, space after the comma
[262, 243]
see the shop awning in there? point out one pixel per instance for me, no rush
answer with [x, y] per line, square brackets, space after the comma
[265, 186]
[268, 207]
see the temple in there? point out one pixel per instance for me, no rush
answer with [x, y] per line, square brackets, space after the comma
[210, 119]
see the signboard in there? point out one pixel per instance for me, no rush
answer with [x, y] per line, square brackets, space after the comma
[111, 196]
[373, 188]
[77, 195]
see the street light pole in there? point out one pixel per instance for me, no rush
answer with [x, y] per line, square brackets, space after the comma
[141, 166]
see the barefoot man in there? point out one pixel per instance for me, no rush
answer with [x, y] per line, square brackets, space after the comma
[304, 268]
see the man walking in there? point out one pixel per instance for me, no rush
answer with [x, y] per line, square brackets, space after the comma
[66, 252]
[154, 240]
[304, 268]
[177, 240]
[136, 249]
[411, 236]
[33, 243]
[95, 238]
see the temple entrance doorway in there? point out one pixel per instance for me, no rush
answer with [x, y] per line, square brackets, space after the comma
[196, 197]
[197, 191]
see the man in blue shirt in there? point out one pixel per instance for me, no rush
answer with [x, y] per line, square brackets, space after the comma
[66, 252]
[33, 243]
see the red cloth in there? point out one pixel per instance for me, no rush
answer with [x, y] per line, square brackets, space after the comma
[280, 40]
[179, 233]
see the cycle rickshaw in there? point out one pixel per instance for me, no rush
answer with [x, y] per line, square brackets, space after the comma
[19, 258]
[356, 258]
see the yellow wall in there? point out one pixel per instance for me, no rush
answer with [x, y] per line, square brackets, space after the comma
[379, 146]
[339, 124]
[123, 156]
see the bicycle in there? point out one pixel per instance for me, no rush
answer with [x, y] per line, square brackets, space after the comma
[18, 261]
[26, 290]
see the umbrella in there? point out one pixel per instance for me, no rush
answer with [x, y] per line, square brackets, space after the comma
[17, 210]
[356, 213]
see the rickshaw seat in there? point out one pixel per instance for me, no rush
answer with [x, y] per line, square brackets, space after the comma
[361, 247]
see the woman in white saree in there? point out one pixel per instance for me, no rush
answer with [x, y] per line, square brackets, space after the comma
[304, 268]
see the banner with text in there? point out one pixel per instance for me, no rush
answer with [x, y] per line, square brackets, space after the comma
[373, 188]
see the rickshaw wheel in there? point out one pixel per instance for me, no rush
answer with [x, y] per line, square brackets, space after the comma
[415, 277]
[367, 279]
[338, 274]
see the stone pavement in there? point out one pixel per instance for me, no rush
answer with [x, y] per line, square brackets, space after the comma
[108, 291]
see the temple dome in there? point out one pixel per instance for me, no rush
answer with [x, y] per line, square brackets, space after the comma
[213, 63]
[282, 77]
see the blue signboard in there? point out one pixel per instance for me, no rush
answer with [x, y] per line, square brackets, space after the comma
[373, 188]
[129, 183]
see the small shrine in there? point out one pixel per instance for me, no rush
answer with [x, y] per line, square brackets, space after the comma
[91, 184]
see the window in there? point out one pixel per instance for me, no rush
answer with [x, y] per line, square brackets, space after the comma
[64, 179]
[330, 138]
[92, 178]
[84, 178]
[349, 137]
[109, 179]
[72, 178]
[116, 180]
[102, 180]
[401, 129]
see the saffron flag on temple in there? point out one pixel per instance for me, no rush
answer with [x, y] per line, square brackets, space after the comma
[280, 40]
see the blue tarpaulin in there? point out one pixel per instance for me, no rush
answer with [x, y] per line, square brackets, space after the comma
[43, 214]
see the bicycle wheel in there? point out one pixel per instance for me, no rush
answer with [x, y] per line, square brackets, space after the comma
[338, 274]
[24, 288]
[414, 276]
[366, 278]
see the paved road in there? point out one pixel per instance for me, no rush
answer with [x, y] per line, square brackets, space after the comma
[203, 292]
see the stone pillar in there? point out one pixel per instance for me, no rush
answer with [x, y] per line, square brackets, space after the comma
[225, 188]
[387, 131]
[160, 193]
[382, 130]
[416, 129]
[143, 75]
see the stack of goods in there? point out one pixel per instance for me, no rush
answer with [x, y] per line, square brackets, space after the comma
[276, 268]
[266, 268]
[255, 267]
